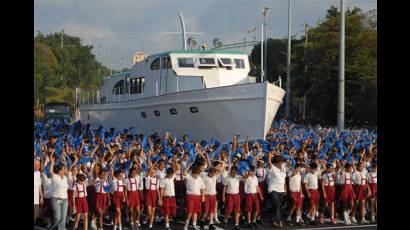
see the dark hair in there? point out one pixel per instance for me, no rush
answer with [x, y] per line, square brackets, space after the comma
[212, 170]
[170, 171]
[298, 165]
[276, 159]
[348, 165]
[196, 170]
[234, 168]
[313, 165]
[81, 177]
[116, 173]
[252, 168]
[131, 171]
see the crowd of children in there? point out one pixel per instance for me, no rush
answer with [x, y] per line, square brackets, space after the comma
[304, 174]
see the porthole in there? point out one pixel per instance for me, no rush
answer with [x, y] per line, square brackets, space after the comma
[173, 111]
[143, 115]
[157, 113]
[193, 109]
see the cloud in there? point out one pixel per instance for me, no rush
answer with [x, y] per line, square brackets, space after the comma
[85, 31]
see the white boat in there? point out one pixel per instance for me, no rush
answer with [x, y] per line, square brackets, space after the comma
[204, 93]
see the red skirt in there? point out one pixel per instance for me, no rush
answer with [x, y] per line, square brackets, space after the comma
[101, 201]
[373, 190]
[133, 199]
[233, 203]
[47, 207]
[193, 203]
[346, 193]
[219, 190]
[210, 204]
[151, 198]
[70, 198]
[252, 201]
[314, 197]
[180, 189]
[117, 199]
[296, 199]
[81, 205]
[360, 191]
[330, 194]
[169, 206]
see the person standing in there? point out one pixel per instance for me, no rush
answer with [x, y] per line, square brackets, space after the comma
[38, 194]
[59, 200]
[276, 187]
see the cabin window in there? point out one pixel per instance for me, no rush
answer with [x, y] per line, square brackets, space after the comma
[185, 62]
[137, 85]
[157, 113]
[119, 88]
[166, 63]
[143, 115]
[155, 64]
[225, 62]
[239, 63]
[173, 111]
[207, 61]
[193, 109]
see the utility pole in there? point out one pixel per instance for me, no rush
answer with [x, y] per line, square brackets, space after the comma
[265, 14]
[341, 96]
[262, 71]
[287, 109]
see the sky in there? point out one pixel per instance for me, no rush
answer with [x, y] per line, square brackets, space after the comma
[119, 28]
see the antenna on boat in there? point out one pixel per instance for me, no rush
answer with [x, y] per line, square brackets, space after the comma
[181, 18]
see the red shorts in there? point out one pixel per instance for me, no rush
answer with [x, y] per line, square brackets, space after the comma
[296, 199]
[47, 207]
[346, 193]
[101, 201]
[70, 198]
[151, 198]
[252, 201]
[169, 206]
[314, 197]
[330, 192]
[133, 199]
[233, 203]
[81, 205]
[193, 203]
[210, 204]
[180, 189]
[373, 190]
[219, 190]
[117, 199]
[360, 191]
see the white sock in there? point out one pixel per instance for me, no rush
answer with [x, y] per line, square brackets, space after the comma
[317, 214]
[211, 221]
[167, 225]
[150, 225]
[194, 223]
[297, 219]
[187, 223]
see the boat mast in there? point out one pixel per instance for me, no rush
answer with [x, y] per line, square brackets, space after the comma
[183, 31]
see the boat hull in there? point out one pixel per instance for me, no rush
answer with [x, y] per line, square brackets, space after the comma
[246, 110]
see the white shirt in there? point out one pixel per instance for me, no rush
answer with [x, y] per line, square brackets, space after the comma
[359, 178]
[60, 186]
[194, 185]
[295, 183]
[37, 187]
[251, 185]
[372, 177]
[80, 190]
[232, 184]
[276, 180]
[47, 186]
[345, 178]
[222, 176]
[160, 174]
[210, 185]
[100, 184]
[312, 180]
[151, 183]
[179, 176]
[168, 185]
[71, 180]
[132, 183]
[118, 185]
[328, 179]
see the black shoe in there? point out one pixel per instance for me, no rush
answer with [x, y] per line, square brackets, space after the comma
[236, 227]
[259, 221]
[250, 226]
[212, 227]
[312, 222]
[168, 228]
[255, 225]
